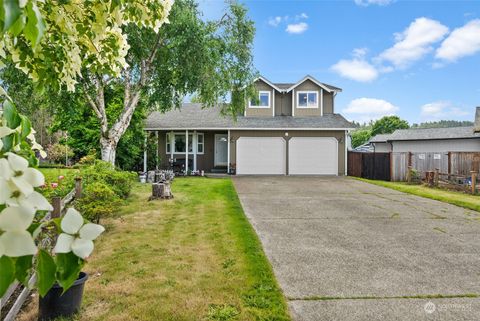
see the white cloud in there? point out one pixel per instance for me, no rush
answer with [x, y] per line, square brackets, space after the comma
[297, 28]
[442, 110]
[303, 15]
[366, 109]
[359, 52]
[463, 41]
[275, 21]
[365, 3]
[355, 69]
[414, 42]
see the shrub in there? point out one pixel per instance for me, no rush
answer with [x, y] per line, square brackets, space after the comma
[98, 201]
[88, 159]
[120, 182]
[58, 152]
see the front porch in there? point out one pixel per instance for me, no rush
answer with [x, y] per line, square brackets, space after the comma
[191, 150]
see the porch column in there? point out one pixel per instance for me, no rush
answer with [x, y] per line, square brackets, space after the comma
[156, 161]
[228, 152]
[186, 151]
[145, 153]
[194, 147]
[172, 144]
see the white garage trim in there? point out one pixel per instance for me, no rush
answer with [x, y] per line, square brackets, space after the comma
[261, 155]
[313, 156]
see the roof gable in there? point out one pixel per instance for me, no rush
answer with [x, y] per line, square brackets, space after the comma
[326, 87]
[287, 87]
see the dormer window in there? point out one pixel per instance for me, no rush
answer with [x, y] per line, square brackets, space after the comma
[307, 99]
[263, 100]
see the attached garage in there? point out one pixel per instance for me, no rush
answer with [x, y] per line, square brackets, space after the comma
[261, 155]
[313, 156]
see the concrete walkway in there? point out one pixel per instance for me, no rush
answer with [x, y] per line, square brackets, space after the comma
[348, 250]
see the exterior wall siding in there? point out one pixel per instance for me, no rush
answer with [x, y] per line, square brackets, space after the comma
[339, 135]
[444, 145]
[328, 99]
[261, 112]
[382, 147]
[283, 104]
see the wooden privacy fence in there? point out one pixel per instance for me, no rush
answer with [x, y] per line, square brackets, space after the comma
[17, 294]
[369, 165]
[374, 165]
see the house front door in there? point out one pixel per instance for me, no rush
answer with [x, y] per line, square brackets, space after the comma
[221, 148]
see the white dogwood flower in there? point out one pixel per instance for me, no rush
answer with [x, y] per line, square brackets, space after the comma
[77, 237]
[15, 240]
[36, 146]
[17, 181]
[4, 131]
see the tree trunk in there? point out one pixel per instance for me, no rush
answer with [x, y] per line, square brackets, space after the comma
[108, 149]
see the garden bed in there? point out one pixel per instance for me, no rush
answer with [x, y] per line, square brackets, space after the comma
[58, 181]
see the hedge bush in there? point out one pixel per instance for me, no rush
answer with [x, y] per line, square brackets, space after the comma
[120, 182]
[97, 202]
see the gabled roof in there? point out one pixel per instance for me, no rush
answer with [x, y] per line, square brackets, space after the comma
[268, 82]
[328, 88]
[428, 134]
[380, 138]
[287, 87]
[193, 116]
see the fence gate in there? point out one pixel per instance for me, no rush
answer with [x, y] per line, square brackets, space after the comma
[369, 165]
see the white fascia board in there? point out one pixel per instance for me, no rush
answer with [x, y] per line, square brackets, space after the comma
[268, 82]
[312, 80]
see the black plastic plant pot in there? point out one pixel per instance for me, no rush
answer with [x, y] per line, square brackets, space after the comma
[54, 305]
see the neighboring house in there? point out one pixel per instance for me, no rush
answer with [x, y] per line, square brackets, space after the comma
[418, 140]
[290, 129]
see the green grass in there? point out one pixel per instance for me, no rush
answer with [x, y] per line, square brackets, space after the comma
[456, 198]
[194, 257]
[52, 174]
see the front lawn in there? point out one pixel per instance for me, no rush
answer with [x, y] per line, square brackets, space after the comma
[195, 257]
[456, 198]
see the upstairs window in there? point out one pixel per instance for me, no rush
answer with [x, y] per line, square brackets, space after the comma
[263, 100]
[307, 99]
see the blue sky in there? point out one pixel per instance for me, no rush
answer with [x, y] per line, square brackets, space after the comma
[416, 59]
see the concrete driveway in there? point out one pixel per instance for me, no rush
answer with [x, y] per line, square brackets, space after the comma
[347, 250]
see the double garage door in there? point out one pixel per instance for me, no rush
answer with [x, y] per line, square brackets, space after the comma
[306, 156]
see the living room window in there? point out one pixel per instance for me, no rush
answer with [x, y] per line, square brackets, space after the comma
[263, 100]
[307, 99]
[179, 143]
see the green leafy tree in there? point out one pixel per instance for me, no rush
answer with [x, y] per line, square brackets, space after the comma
[77, 117]
[444, 124]
[388, 124]
[211, 59]
[360, 136]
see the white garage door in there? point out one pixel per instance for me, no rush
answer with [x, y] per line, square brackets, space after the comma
[313, 155]
[261, 155]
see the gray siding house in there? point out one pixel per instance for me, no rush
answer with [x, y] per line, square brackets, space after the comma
[291, 129]
[418, 140]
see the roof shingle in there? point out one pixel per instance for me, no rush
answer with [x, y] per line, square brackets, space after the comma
[193, 116]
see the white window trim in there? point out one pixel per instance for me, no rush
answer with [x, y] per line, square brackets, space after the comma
[181, 153]
[306, 92]
[269, 100]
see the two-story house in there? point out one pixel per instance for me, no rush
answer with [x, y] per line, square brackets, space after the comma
[291, 129]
